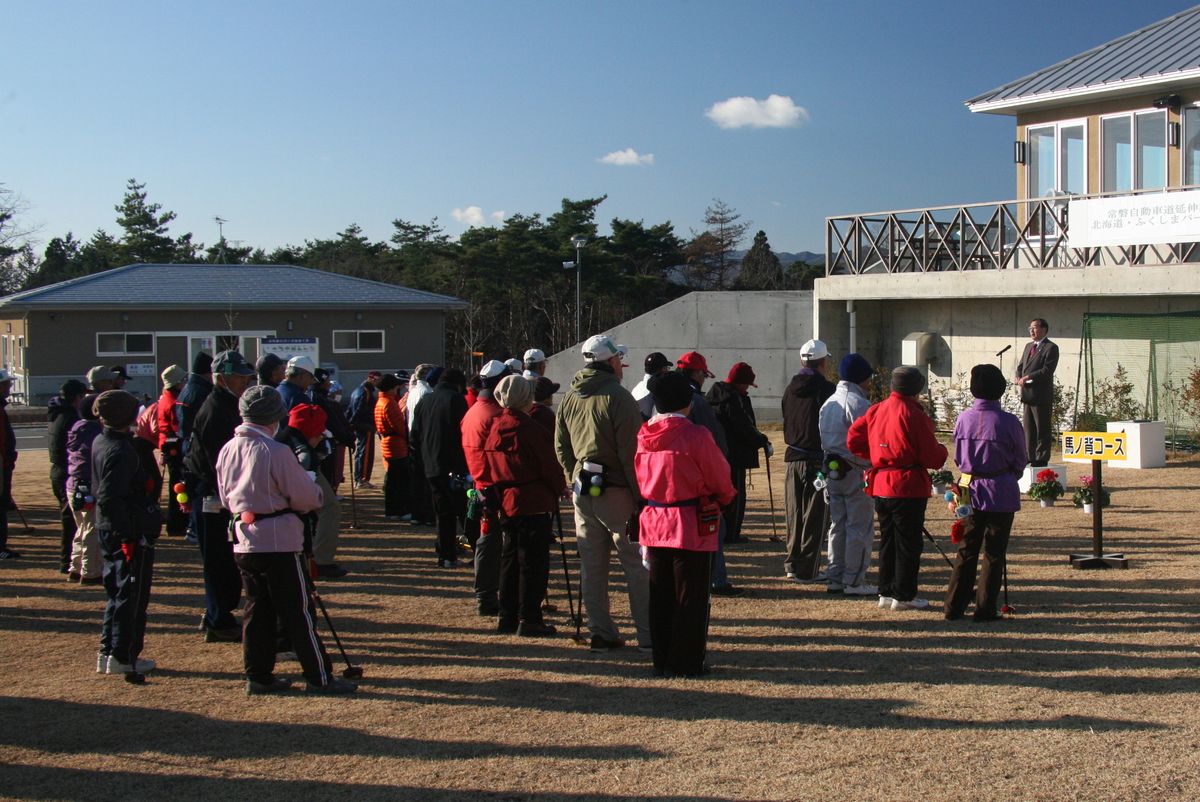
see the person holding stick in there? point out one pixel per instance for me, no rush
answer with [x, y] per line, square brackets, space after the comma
[989, 447]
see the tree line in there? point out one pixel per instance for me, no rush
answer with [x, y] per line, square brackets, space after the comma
[511, 275]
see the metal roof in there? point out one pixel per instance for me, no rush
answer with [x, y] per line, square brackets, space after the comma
[192, 286]
[1166, 52]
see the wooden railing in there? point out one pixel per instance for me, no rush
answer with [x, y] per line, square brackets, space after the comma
[1003, 235]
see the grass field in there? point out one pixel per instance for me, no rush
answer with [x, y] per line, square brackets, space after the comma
[1089, 692]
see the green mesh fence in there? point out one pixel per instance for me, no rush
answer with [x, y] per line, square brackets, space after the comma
[1140, 366]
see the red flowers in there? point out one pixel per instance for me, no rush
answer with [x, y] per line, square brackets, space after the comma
[1047, 475]
[957, 530]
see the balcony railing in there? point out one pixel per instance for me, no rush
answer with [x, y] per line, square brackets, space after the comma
[1003, 235]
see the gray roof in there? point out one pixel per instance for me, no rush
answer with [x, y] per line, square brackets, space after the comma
[1150, 57]
[190, 286]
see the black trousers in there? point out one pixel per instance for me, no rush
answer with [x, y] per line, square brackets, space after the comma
[1038, 435]
[127, 584]
[679, 609]
[524, 567]
[419, 502]
[489, 550]
[450, 507]
[735, 513]
[222, 583]
[989, 530]
[177, 520]
[901, 522]
[396, 484]
[277, 596]
[58, 483]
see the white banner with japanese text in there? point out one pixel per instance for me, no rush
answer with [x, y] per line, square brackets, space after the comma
[1157, 219]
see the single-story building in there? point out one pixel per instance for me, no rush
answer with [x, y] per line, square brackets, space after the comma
[149, 316]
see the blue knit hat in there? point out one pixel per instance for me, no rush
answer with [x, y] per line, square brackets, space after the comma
[854, 368]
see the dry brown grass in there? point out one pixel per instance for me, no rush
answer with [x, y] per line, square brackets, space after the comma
[1088, 693]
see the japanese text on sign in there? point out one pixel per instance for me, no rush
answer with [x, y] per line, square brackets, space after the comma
[1094, 445]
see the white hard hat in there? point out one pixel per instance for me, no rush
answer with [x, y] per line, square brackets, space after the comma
[813, 350]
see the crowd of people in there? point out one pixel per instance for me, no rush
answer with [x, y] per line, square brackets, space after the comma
[253, 456]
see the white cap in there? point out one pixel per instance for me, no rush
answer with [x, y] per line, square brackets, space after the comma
[534, 355]
[298, 363]
[813, 350]
[492, 368]
[514, 365]
[600, 347]
[5, 376]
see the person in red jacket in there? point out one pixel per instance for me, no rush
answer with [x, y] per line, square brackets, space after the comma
[170, 445]
[896, 435]
[685, 480]
[393, 431]
[476, 425]
[526, 482]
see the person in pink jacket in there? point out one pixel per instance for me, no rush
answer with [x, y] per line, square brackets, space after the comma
[685, 480]
[266, 491]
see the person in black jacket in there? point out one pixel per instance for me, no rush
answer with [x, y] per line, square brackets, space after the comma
[8, 461]
[61, 414]
[805, 506]
[731, 403]
[437, 436]
[128, 522]
[214, 425]
[304, 432]
[336, 424]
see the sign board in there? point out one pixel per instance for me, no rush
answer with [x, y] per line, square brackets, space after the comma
[1159, 218]
[287, 347]
[1094, 445]
[135, 369]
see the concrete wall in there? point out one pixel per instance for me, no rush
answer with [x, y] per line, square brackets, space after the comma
[763, 329]
[62, 345]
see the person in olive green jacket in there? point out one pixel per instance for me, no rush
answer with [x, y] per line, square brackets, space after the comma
[595, 438]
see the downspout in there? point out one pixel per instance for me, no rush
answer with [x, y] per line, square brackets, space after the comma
[853, 326]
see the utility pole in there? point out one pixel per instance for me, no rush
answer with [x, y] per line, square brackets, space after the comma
[221, 242]
[579, 240]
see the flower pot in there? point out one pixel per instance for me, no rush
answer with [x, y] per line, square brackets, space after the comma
[1046, 502]
[1087, 508]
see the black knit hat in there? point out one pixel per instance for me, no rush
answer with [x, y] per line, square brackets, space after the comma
[202, 363]
[907, 380]
[671, 391]
[987, 382]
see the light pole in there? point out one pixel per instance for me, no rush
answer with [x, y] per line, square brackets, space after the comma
[579, 240]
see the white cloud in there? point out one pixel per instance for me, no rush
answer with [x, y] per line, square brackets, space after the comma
[628, 157]
[498, 216]
[777, 111]
[472, 215]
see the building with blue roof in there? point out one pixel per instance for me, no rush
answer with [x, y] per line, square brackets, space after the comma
[148, 316]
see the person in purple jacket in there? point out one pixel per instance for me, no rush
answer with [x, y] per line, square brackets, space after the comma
[989, 445]
[86, 563]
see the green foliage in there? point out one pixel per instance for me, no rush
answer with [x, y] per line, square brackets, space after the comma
[761, 268]
[146, 237]
[1113, 399]
[708, 258]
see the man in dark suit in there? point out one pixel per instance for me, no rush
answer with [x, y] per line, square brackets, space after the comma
[1035, 377]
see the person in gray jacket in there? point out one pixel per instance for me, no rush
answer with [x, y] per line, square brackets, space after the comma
[851, 512]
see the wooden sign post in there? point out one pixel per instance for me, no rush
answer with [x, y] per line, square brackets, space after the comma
[1099, 447]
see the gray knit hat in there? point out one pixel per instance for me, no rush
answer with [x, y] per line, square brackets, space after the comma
[514, 392]
[907, 380]
[261, 404]
[116, 408]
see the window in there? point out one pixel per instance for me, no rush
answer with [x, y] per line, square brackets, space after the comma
[345, 342]
[1057, 158]
[1134, 151]
[120, 343]
[1191, 146]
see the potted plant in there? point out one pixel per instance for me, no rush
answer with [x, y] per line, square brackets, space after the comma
[1046, 488]
[941, 479]
[1086, 495]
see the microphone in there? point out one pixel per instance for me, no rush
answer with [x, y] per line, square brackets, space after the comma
[1007, 348]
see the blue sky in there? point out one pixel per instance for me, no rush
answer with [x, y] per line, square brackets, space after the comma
[293, 120]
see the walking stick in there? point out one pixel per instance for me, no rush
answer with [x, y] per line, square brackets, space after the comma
[353, 500]
[12, 505]
[937, 546]
[576, 618]
[351, 671]
[771, 494]
[1006, 609]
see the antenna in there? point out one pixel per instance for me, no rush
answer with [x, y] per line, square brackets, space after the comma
[220, 221]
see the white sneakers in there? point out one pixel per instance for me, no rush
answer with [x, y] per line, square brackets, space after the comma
[116, 667]
[911, 604]
[886, 602]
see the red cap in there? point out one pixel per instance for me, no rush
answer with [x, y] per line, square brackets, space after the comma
[308, 419]
[693, 360]
[741, 373]
[373, 374]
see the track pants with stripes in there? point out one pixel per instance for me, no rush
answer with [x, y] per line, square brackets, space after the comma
[276, 591]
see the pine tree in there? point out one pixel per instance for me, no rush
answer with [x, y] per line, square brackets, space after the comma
[146, 238]
[761, 268]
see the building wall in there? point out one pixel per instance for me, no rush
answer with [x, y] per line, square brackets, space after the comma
[1093, 111]
[763, 329]
[62, 345]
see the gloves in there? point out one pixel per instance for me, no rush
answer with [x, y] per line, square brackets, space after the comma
[770, 449]
[128, 548]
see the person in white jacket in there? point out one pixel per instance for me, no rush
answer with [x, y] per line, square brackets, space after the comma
[267, 491]
[851, 513]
